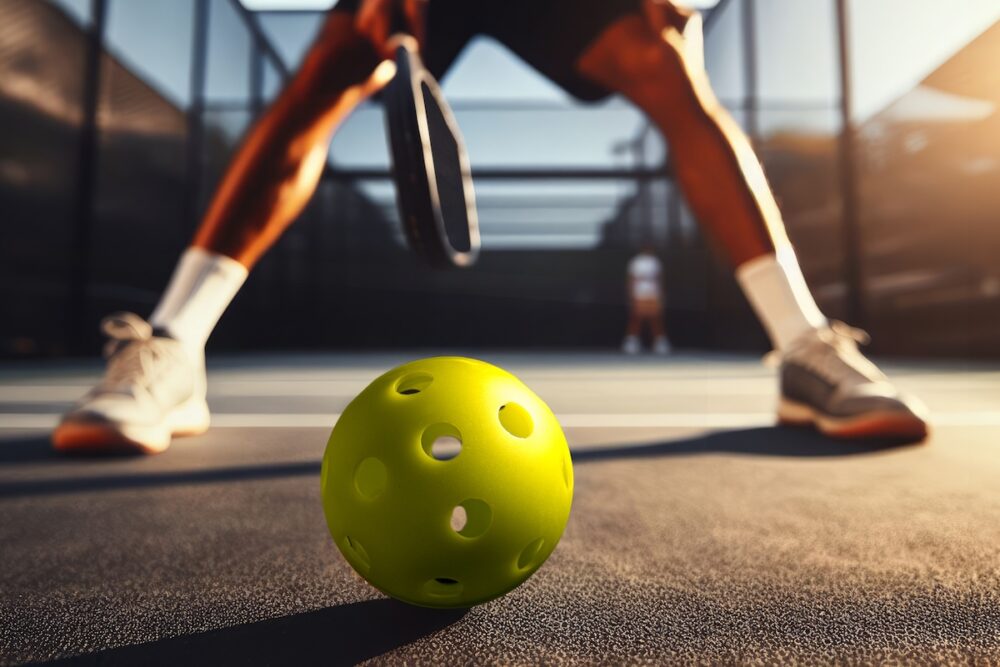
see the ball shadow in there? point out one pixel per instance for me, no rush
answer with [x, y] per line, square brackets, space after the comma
[343, 635]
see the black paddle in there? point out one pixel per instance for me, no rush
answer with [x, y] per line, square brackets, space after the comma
[430, 166]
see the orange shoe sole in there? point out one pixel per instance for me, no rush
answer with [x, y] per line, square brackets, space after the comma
[874, 426]
[90, 439]
[96, 439]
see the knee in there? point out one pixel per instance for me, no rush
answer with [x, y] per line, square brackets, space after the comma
[653, 66]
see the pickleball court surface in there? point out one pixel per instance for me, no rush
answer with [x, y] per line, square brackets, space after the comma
[699, 532]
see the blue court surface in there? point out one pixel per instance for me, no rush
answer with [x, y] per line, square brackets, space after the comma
[699, 532]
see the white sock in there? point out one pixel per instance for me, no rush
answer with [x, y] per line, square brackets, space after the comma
[199, 292]
[779, 295]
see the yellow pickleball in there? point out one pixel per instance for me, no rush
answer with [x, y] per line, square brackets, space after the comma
[447, 482]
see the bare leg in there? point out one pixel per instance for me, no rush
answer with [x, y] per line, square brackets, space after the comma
[269, 181]
[715, 163]
[656, 325]
[277, 168]
[658, 64]
[634, 327]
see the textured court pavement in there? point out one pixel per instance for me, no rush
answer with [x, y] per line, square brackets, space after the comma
[698, 533]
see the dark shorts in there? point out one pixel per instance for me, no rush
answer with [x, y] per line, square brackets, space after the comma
[549, 35]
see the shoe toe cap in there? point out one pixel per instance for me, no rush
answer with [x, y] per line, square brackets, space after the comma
[879, 397]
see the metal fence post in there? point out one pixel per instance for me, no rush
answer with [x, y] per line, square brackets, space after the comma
[196, 116]
[750, 69]
[853, 271]
[86, 183]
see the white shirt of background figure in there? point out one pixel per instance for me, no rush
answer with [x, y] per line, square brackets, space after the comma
[645, 271]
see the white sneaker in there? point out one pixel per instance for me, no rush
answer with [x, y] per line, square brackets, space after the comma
[662, 346]
[152, 390]
[631, 345]
[827, 383]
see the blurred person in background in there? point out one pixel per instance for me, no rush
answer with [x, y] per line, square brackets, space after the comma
[645, 302]
[649, 51]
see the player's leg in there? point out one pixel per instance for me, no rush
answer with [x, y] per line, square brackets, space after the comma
[633, 330]
[825, 380]
[660, 343]
[279, 163]
[154, 387]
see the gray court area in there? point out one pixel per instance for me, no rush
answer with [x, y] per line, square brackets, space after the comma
[699, 532]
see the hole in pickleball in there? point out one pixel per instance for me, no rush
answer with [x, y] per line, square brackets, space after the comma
[471, 518]
[443, 587]
[458, 519]
[567, 466]
[414, 383]
[370, 478]
[355, 549]
[529, 554]
[442, 442]
[516, 420]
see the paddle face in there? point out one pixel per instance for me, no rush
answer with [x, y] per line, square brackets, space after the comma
[434, 191]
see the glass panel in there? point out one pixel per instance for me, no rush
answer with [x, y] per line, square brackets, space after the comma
[291, 33]
[516, 134]
[152, 40]
[553, 214]
[799, 120]
[78, 10]
[796, 51]
[222, 131]
[227, 75]
[273, 81]
[724, 53]
[541, 214]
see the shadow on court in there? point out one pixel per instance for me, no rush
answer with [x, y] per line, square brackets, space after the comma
[342, 635]
[32, 449]
[769, 441]
[262, 471]
[764, 441]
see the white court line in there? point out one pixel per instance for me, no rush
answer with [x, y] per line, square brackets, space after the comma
[989, 418]
[60, 395]
[46, 394]
[13, 393]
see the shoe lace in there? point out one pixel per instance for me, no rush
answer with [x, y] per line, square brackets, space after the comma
[133, 353]
[832, 353]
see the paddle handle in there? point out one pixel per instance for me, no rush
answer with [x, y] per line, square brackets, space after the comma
[403, 40]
